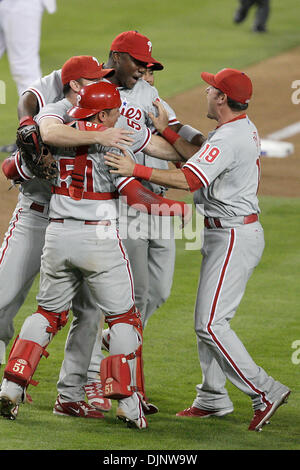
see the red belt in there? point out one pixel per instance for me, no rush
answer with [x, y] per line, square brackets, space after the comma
[86, 222]
[37, 207]
[87, 194]
[248, 219]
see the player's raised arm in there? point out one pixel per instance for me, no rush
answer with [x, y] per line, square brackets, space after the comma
[125, 166]
[55, 132]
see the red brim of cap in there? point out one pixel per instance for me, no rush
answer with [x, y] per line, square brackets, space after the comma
[81, 113]
[155, 65]
[100, 74]
[97, 74]
[208, 78]
[105, 73]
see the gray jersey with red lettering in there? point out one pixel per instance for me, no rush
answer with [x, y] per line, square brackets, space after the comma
[228, 166]
[98, 178]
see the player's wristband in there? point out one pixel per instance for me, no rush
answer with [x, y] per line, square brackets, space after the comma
[27, 121]
[143, 172]
[170, 135]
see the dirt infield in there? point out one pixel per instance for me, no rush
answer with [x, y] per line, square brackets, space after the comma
[271, 109]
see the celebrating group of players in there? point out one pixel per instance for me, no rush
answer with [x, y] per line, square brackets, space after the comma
[112, 137]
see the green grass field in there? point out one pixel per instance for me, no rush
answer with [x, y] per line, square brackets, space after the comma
[187, 38]
[267, 322]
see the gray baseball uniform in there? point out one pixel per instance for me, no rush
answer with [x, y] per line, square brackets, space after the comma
[74, 360]
[82, 244]
[228, 167]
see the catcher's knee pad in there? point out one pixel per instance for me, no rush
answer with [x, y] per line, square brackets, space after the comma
[23, 361]
[132, 317]
[56, 320]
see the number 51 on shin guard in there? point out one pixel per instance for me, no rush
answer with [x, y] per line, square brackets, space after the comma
[116, 377]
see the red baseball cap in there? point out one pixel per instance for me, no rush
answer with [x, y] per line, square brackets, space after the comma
[83, 66]
[136, 45]
[235, 84]
[95, 97]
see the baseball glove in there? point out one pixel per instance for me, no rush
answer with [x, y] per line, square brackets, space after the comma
[35, 153]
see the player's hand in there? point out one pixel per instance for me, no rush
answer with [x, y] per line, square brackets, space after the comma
[113, 136]
[121, 164]
[187, 216]
[162, 120]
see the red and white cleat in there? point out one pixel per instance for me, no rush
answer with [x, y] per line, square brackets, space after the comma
[78, 409]
[262, 417]
[131, 412]
[95, 396]
[194, 412]
[11, 396]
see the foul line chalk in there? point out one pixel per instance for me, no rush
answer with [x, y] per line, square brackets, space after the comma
[288, 131]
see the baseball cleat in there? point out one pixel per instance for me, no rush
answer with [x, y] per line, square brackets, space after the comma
[194, 412]
[131, 412]
[140, 423]
[8, 409]
[11, 395]
[77, 409]
[262, 417]
[95, 397]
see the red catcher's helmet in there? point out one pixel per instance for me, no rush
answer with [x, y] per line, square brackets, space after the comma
[94, 98]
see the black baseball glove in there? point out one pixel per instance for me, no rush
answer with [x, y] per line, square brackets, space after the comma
[34, 152]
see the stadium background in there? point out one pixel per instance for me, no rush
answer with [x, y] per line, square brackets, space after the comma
[187, 38]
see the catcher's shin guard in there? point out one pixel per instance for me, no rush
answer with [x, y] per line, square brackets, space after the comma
[119, 376]
[115, 377]
[23, 360]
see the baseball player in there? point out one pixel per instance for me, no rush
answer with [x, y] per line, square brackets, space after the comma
[25, 236]
[261, 14]
[154, 247]
[225, 174]
[83, 212]
[20, 32]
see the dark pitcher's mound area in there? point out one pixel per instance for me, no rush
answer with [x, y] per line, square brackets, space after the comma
[271, 109]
